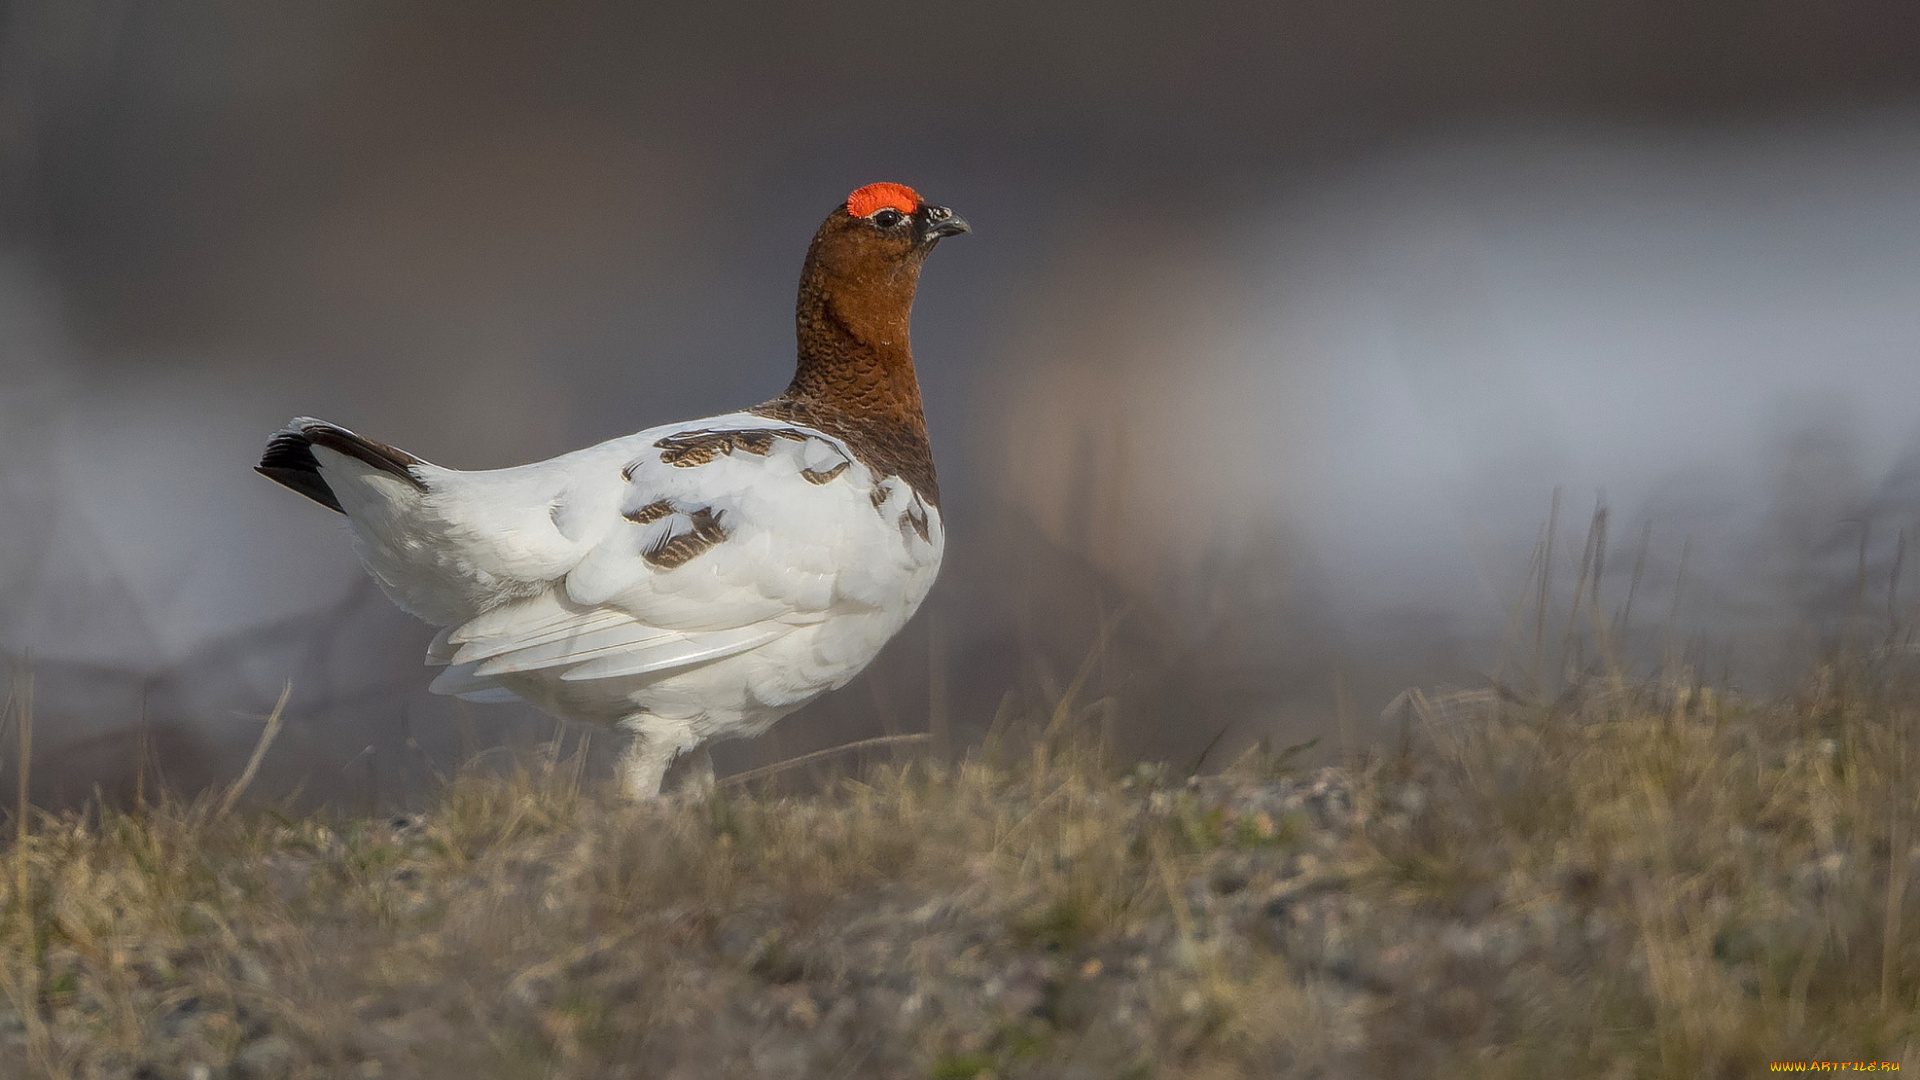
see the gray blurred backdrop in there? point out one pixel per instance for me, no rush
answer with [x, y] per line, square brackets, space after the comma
[1281, 326]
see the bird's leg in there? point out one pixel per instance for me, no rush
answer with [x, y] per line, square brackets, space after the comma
[656, 741]
[694, 772]
[642, 768]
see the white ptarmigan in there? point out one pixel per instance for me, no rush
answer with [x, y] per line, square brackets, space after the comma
[695, 581]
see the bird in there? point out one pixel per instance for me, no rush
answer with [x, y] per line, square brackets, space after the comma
[696, 581]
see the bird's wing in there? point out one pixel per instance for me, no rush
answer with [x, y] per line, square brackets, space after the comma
[709, 540]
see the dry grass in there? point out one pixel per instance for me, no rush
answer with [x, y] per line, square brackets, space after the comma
[1627, 881]
[1681, 885]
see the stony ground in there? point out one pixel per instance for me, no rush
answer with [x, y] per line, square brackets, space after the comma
[1633, 884]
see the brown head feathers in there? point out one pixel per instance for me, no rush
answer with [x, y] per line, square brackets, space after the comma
[855, 377]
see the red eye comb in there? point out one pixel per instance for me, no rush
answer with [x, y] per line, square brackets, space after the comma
[876, 197]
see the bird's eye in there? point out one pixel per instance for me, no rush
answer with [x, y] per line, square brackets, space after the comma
[887, 219]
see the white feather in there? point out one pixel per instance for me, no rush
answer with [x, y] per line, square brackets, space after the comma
[541, 580]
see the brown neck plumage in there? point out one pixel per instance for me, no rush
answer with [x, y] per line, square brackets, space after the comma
[855, 377]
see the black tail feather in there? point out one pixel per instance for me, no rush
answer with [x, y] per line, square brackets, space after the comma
[289, 459]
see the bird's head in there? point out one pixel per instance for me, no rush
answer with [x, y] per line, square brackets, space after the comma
[881, 230]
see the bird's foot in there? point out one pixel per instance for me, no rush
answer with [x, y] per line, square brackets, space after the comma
[690, 777]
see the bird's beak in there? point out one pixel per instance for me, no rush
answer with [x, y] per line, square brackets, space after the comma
[938, 221]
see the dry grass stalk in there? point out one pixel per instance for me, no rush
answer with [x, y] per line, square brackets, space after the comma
[267, 733]
[740, 779]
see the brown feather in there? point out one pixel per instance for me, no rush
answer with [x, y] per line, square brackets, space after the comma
[855, 379]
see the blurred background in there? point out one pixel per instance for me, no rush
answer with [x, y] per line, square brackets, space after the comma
[1282, 326]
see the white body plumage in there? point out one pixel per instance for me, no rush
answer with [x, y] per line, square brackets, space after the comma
[691, 582]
